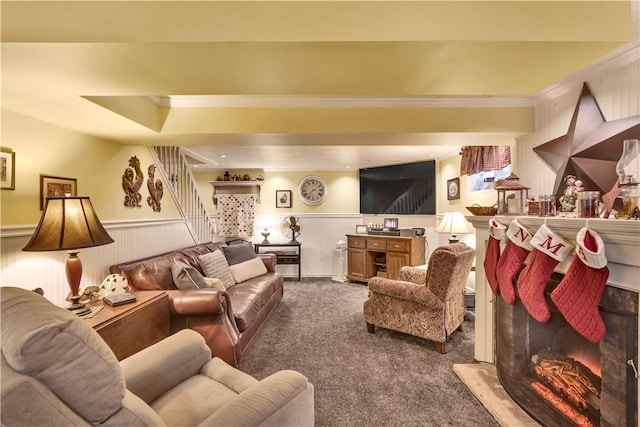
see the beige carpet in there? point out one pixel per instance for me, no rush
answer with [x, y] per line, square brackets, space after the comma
[482, 380]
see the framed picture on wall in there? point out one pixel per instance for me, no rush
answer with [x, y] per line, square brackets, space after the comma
[453, 189]
[283, 198]
[7, 169]
[55, 186]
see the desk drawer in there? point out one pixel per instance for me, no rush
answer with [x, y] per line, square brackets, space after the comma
[288, 259]
[398, 246]
[378, 244]
[357, 242]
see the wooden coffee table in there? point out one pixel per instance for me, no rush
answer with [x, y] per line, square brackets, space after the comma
[132, 327]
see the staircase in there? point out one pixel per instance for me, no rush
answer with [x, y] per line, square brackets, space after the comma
[183, 188]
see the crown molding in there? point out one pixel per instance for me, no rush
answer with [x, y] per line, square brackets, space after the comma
[619, 58]
[291, 101]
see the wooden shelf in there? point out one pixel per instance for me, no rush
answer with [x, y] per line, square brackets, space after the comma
[235, 183]
[235, 187]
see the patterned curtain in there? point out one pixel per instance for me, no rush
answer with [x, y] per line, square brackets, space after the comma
[476, 158]
[236, 215]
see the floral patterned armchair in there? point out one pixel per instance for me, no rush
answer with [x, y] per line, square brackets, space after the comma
[425, 303]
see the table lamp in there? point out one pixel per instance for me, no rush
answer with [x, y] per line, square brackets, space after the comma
[265, 234]
[69, 223]
[454, 223]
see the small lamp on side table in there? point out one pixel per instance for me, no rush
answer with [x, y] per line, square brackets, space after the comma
[265, 233]
[69, 223]
[454, 223]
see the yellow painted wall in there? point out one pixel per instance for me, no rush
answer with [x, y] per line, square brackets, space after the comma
[342, 194]
[97, 164]
[449, 169]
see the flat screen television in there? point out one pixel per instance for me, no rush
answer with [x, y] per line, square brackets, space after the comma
[405, 189]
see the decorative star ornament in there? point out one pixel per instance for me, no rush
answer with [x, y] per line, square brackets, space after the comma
[591, 148]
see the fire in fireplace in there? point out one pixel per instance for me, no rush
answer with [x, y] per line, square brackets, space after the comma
[559, 377]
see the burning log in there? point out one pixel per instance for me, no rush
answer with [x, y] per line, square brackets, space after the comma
[561, 405]
[568, 378]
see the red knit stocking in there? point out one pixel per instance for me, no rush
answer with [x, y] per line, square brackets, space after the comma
[496, 233]
[512, 258]
[578, 294]
[531, 292]
[548, 250]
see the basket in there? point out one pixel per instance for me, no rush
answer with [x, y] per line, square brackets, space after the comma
[483, 210]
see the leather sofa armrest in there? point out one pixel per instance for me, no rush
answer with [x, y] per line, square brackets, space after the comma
[160, 367]
[270, 261]
[198, 302]
[405, 290]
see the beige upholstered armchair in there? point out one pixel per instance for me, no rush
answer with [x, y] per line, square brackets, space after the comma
[57, 371]
[425, 303]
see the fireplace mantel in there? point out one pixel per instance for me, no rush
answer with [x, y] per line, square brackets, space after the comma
[622, 248]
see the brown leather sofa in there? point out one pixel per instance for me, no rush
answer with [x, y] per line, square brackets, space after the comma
[228, 320]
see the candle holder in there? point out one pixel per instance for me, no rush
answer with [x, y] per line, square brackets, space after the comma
[512, 196]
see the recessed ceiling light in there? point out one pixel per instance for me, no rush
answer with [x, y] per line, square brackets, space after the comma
[223, 156]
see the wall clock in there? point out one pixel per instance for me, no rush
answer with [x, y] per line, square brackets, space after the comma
[312, 190]
[453, 189]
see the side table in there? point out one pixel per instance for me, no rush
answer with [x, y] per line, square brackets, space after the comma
[132, 327]
[287, 253]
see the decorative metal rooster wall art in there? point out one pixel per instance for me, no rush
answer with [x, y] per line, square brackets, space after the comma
[131, 185]
[155, 189]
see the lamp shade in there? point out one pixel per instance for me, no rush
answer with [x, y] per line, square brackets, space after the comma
[454, 223]
[68, 223]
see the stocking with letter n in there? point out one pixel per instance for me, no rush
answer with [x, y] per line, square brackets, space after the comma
[549, 249]
[578, 294]
[492, 256]
[515, 252]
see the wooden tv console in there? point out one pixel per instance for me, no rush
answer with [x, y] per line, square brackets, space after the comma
[370, 256]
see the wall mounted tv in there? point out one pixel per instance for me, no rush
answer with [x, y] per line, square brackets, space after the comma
[406, 189]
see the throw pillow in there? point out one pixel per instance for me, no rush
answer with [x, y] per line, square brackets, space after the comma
[186, 276]
[215, 283]
[248, 270]
[215, 265]
[236, 254]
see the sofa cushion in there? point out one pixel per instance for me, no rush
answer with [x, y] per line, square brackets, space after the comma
[236, 254]
[250, 297]
[248, 270]
[187, 277]
[215, 265]
[55, 346]
[214, 283]
[143, 279]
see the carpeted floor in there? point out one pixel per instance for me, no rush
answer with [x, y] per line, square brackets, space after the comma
[362, 379]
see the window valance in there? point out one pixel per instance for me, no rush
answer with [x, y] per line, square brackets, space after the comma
[476, 158]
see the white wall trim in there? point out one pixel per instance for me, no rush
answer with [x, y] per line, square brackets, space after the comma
[29, 229]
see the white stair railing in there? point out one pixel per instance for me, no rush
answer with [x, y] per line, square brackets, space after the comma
[184, 189]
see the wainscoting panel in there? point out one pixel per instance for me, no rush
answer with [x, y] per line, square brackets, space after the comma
[320, 232]
[47, 269]
[139, 239]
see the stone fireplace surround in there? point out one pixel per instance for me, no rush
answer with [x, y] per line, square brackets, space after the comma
[622, 248]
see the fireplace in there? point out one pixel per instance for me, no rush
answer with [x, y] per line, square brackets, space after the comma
[617, 353]
[559, 377]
